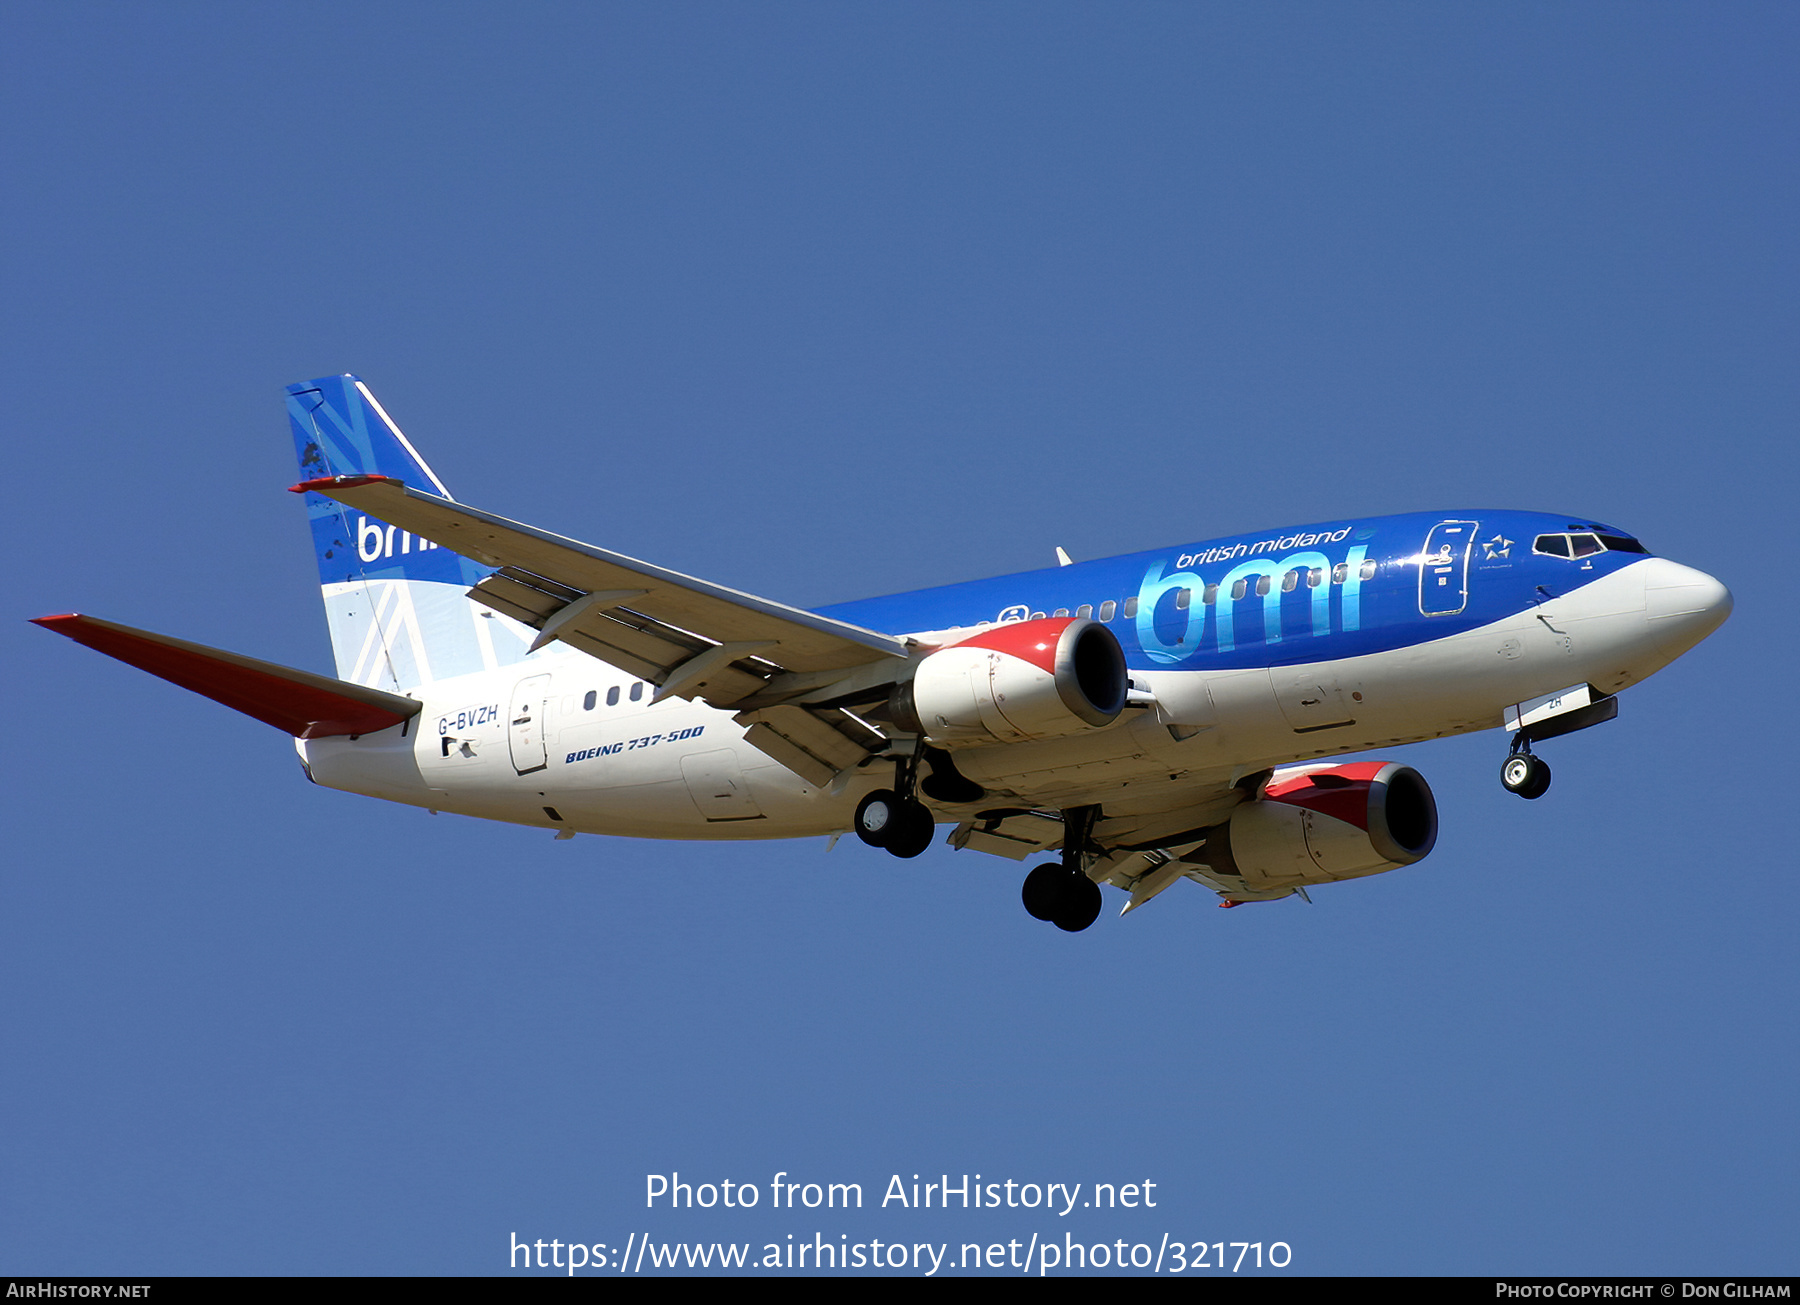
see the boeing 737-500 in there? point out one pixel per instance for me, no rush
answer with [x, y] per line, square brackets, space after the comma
[1151, 718]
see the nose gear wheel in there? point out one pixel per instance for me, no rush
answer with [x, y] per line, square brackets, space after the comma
[1525, 774]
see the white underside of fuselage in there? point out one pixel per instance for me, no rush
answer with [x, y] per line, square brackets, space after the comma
[682, 770]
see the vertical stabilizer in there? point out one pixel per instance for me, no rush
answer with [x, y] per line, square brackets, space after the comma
[396, 604]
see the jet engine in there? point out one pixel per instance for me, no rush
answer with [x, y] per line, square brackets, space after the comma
[1316, 824]
[1037, 679]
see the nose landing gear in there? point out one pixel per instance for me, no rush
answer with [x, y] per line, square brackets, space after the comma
[1061, 892]
[1549, 717]
[1525, 774]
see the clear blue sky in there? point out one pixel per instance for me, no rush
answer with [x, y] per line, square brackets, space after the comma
[829, 300]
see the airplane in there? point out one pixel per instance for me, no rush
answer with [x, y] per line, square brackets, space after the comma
[1149, 718]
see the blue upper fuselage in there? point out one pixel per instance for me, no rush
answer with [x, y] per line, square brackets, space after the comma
[1312, 593]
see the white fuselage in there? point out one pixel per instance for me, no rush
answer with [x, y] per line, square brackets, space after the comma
[539, 743]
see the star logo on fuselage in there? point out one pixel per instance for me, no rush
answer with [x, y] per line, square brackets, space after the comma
[1498, 546]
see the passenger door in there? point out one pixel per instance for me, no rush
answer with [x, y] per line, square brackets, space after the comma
[1444, 568]
[525, 724]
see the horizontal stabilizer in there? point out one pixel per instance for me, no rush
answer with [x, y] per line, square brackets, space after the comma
[307, 706]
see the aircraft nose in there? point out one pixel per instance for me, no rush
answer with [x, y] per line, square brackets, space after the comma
[1681, 605]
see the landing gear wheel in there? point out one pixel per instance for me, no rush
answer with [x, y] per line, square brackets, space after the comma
[910, 830]
[876, 817]
[1044, 890]
[1080, 904]
[1525, 775]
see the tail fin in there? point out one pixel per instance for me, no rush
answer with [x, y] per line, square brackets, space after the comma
[395, 603]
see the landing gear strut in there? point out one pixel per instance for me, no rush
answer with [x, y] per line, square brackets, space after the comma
[893, 818]
[1523, 773]
[1061, 892]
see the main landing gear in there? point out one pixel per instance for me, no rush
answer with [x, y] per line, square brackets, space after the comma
[1061, 892]
[892, 818]
[1523, 773]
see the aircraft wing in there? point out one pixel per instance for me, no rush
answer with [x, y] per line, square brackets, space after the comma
[778, 667]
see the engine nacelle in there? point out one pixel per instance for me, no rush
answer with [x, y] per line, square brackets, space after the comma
[1026, 680]
[1316, 824]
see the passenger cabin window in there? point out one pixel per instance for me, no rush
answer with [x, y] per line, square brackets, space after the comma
[612, 696]
[1239, 589]
[1290, 581]
[1107, 609]
[637, 691]
[1211, 595]
[1340, 573]
[1367, 571]
[587, 703]
[1061, 611]
[1183, 597]
[1315, 577]
[1263, 586]
[1130, 608]
[1085, 611]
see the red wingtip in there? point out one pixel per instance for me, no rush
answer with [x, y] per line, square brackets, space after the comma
[52, 622]
[324, 484]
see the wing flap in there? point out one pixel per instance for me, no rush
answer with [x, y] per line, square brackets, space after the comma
[816, 745]
[305, 705]
[609, 631]
[1016, 836]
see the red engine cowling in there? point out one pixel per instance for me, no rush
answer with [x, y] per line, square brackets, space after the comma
[1026, 680]
[1316, 824]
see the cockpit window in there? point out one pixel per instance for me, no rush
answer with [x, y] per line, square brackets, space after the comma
[1586, 545]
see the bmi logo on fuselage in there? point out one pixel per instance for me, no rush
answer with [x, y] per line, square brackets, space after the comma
[1171, 632]
[1174, 636]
